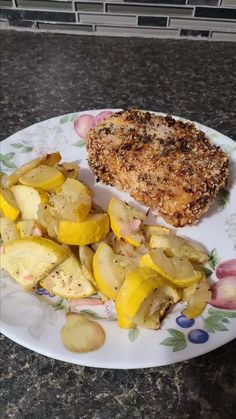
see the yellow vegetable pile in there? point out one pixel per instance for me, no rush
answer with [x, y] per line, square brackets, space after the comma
[54, 237]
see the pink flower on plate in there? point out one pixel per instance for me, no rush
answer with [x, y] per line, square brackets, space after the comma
[102, 116]
[226, 268]
[224, 291]
[83, 123]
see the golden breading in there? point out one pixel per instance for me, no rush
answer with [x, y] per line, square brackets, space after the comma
[165, 164]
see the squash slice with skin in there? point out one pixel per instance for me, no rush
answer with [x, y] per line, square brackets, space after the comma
[108, 271]
[123, 217]
[28, 260]
[144, 290]
[197, 297]
[73, 202]
[44, 177]
[28, 200]
[47, 159]
[86, 259]
[68, 281]
[153, 230]
[91, 230]
[8, 204]
[179, 271]
[177, 246]
[68, 169]
[8, 230]
[29, 228]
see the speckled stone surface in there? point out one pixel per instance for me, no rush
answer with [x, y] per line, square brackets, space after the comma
[44, 75]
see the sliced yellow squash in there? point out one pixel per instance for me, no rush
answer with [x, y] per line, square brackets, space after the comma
[108, 272]
[28, 260]
[124, 322]
[29, 228]
[44, 177]
[92, 230]
[48, 218]
[177, 246]
[150, 230]
[155, 306]
[140, 282]
[197, 299]
[8, 204]
[177, 270]
[86, 259]
[8, 230]
[68, 281]
[48, 159]
[122, 218]
[69, 169]
[73, 203]
[143, 299]
[28, 200]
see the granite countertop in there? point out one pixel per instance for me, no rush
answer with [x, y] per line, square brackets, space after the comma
[45, 75]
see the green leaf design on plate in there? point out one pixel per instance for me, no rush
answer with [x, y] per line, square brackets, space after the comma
[5, 159]
[213, 259]
[217, 319]
[59, 304]
[206, 271]
[24, 148]
[80, 143]
[68, 118]
[133, 334]
[17, 145]
[9, 164]
[177, 341]
[7, 156]
[64, 119]
[223, 198]
[212, 324]
[27, 149]
[223, 313]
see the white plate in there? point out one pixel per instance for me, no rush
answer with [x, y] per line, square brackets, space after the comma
[35, 322]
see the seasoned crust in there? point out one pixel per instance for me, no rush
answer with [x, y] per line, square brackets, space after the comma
[166, 164]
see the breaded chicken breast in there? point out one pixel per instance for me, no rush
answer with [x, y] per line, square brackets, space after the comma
[165, 164]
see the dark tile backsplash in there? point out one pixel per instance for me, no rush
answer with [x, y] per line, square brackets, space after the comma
[204, 2]
[216, 13]
[7, 3]
[151, 10]
[167, 2]
[191, 32]
[89, 7]
[51, 4]
[152, 21]
[23, 14]
[65, 28]
[195, 19]
[22, 23]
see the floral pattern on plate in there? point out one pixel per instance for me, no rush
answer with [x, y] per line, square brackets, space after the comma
[35, 321]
